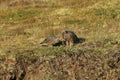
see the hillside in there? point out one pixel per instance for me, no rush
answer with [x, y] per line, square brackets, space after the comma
[25, 23]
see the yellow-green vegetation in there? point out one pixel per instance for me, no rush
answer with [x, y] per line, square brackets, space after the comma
[25, 23]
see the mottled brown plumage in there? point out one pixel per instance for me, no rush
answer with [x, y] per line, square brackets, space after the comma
[51, 41]
[69, 38]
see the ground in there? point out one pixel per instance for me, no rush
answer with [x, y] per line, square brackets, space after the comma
[25, 23]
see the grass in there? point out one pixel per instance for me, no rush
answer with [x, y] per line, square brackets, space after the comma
[25, 23]
[22, 27]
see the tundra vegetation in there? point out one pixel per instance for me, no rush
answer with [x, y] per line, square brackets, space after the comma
[26, 23]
